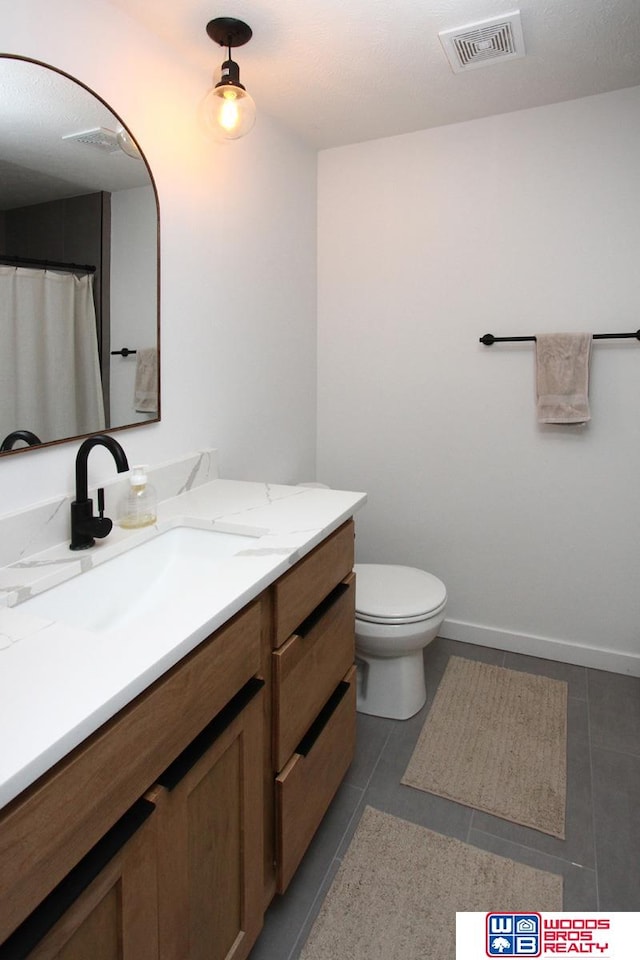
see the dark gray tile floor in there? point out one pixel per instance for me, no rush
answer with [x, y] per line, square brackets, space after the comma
[600, 857]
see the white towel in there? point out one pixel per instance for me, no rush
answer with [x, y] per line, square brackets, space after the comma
[562, 377]
[146, 385]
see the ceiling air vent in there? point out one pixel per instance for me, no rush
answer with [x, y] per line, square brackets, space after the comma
[479, 44]
[99, 137]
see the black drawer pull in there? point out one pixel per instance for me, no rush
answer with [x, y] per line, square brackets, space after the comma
[180, 767]
[316, 615]
[318, 725]
[38, 924]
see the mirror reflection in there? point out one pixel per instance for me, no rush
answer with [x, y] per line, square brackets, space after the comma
[79, 265]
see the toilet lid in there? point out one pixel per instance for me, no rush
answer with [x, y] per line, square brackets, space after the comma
[393, 594]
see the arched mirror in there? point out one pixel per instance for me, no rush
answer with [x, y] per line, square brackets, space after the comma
[79, 264]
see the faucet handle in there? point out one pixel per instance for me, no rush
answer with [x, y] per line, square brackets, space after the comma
[102, 525]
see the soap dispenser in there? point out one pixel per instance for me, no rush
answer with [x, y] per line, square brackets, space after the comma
[139, 507]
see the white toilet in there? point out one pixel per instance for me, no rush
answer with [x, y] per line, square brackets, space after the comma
[398, 612]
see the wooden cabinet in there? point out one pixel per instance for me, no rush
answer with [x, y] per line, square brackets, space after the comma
[166, 833]
[313, 685]
[106, 908]
[47, 833]
[179, 877]
[210, 839]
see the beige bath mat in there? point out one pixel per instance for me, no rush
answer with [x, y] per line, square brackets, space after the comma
[397, 890]
[495, 739]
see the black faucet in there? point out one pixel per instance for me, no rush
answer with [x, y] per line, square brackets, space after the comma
[84, 526]
[12, 438]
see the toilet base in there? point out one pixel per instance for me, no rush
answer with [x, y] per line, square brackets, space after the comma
[391, 687]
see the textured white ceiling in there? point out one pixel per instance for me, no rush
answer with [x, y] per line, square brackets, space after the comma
[38, 107]
[341, 72]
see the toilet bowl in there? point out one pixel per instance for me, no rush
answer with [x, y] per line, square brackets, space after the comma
[398, 612]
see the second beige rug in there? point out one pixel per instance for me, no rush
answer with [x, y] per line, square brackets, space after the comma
[396, 893]
[495, 740]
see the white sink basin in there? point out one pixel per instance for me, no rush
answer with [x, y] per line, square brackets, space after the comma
[142, 582]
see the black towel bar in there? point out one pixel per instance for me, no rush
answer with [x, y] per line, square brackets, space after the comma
[489, 338]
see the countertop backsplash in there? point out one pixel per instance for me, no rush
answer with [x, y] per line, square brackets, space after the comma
[37, 528]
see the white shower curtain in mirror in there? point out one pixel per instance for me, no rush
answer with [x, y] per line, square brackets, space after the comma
[49, 369]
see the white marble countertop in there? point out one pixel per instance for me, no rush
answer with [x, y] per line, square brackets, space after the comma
[59, 683]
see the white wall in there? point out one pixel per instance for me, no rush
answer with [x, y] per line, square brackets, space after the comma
[512, 225]
[238, 257]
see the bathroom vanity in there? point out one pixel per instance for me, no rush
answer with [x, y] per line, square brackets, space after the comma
[165, 829]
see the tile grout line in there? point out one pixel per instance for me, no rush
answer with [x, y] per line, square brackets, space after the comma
[618, 752]
[294, 949]
[470, 827]
[534, 850]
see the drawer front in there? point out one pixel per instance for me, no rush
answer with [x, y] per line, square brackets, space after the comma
[100, 779]
[307, 785]
[309, 666]
[298, 592]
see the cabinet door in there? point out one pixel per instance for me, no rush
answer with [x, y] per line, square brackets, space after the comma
[106, 908]
[210, 846]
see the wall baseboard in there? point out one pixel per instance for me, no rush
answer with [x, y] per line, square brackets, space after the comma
[599, 658]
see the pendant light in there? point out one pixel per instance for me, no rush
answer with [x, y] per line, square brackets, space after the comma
[229, 111]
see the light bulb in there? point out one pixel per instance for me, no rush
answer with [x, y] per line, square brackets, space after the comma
[228, 112]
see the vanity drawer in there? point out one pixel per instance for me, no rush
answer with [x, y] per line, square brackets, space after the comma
[308, 783]
[307, 668]
[298, 592]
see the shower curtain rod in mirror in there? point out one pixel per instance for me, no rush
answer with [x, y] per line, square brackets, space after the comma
[6, 261]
